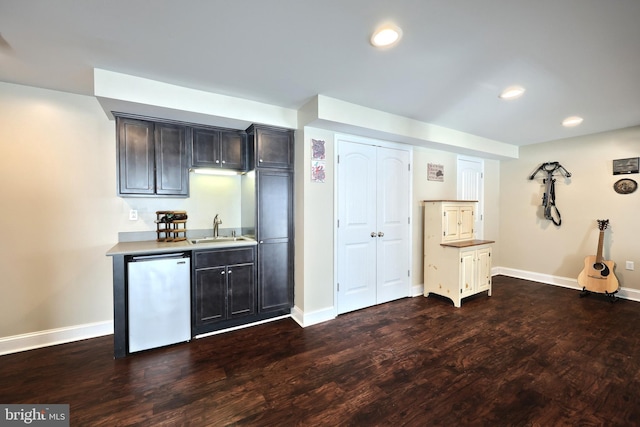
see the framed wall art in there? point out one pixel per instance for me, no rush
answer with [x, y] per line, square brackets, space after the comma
[624, 166]
[318, 162]
[435, 172]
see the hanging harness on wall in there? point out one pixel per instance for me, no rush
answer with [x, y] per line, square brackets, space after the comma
[551, 212]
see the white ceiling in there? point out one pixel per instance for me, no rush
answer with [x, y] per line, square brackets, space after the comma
[575, 57]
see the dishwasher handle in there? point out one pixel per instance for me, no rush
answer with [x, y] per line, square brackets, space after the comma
[141, 258]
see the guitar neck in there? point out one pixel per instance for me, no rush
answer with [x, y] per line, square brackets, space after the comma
[600, 244]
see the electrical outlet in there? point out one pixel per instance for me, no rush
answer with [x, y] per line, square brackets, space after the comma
[629, 265]
[133, 215]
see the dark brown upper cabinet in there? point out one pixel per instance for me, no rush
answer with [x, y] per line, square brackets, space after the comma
[270, 147]
[152, 158]
[218, 148]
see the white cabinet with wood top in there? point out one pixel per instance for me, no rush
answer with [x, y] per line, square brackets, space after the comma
[455, 264]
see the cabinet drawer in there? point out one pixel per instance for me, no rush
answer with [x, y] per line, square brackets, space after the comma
[219, 257]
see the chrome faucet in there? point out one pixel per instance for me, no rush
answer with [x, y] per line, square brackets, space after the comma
[216, 222]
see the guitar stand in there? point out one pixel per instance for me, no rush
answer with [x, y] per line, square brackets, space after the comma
[611, 295]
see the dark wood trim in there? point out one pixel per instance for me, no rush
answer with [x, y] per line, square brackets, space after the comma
[119, 307]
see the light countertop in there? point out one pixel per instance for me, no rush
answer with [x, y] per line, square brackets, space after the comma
[154, 247]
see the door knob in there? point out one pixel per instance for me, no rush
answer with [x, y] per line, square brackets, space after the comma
[380, 234]
[373, 234]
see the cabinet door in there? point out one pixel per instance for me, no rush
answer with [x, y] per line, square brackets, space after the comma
[233, 150]
[136, 173]
[450, 220]
[275, 276]
[172, 173]
[275, 235]
[210, 295]
[466, 221]
[467, 273]
[274, 148]
[241, 285]
[275, 205]
[457, 222]
[205, 148]
[483, 267]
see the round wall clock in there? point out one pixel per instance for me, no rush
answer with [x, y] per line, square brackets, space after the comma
[625, 186]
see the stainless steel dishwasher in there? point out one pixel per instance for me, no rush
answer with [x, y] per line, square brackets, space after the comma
[159, 300]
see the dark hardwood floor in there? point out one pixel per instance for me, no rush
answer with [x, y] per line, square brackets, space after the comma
[530, 355]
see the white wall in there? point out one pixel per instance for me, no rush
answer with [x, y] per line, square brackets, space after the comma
[61, 213]
[314, 234]
[533, 244]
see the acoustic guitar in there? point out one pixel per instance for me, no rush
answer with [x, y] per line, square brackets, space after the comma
[598, 275]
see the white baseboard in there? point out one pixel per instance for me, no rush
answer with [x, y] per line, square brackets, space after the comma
[18, 343]
[307, 319]
[417, 290]
[565, 282]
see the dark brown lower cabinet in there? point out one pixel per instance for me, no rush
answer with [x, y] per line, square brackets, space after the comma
[224, 288]
[275, 290]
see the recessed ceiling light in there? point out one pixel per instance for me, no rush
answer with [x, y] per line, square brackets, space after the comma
[572, 121]
[512, 92]
[386, 36]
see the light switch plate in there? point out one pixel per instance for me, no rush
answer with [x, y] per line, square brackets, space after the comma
[629, 265]
[133, 215]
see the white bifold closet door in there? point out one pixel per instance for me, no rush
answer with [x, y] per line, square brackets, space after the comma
[373, 225]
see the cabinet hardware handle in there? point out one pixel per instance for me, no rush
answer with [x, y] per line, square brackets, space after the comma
[222, 272]
[224, 161]
[217, 161]
[230, 271]
[380, 234]
[261, 241]
[260, 160]
[373, 234]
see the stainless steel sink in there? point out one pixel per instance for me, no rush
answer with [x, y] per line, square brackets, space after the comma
[220, 239]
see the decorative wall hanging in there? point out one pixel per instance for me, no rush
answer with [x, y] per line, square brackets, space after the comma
[624, 166]
[318, 163]
[435, 172]
[318, 171]
[625, 186]
[551, 212]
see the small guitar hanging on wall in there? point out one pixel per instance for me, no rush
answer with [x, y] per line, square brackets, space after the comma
[597, 275]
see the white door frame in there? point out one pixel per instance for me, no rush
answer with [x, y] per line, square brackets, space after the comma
[377, 143]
